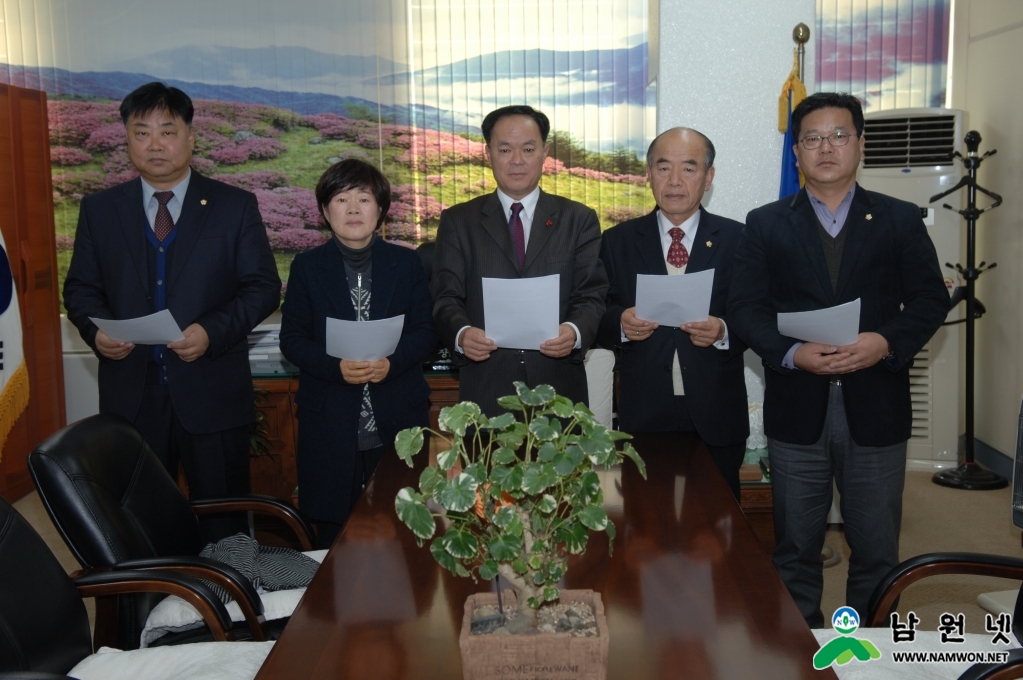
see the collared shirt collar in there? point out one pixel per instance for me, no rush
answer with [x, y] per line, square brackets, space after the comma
[688, 227]
[528, 204]
[179, 189]
[832, 221]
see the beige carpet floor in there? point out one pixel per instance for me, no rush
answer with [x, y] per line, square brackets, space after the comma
[935, 519]
[939, 519]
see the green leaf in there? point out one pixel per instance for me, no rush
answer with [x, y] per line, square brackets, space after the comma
[488, 570]
[593, 517]
[443, 557]
[445, 459]
[504, 456]
[562, 407]
[508, 520]
[538, 477]
[533, 603]
[430, 479]
[631, 453]
[611, 532]
[504, 548]
[499, 475]
[538, 579]
[547, 452]
[414, 513]
[457, 418]
[589, 486]
[408, 443]
[582, 412]
[460, 493]
[551, 593]
[618, 435]
[460, 544]
[563, 464]
[502, 421]
[545, 429]
[510, 403]
[555, 572]
[477, 472]
[535, 562]
[574, 535]
[519, 566]
[547, 504]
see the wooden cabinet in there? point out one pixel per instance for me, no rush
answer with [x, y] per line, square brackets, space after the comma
[757, 502]
[274, 473]
[26, 218]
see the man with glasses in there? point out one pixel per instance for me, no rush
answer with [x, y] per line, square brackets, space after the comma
[839, 413]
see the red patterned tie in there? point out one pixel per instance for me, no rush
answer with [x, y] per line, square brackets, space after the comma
[164, 224]
[518, 235]
[678, 256]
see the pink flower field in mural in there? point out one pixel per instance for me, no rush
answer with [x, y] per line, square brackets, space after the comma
[279, 155]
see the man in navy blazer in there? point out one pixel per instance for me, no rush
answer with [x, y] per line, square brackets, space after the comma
[176, 240]
[836, 413]
[688, 378]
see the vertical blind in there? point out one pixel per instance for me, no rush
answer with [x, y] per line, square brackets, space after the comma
[889, 53]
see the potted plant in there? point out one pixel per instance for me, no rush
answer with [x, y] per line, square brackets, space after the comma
[516, 495]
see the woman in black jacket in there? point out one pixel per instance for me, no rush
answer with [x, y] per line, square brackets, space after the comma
[348, 411]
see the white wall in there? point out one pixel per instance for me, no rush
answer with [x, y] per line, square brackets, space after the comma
[987, 63]
[721, 68]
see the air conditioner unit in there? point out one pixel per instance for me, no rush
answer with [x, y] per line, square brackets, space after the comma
[908, 155]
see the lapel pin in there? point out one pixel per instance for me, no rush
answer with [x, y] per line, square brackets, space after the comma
[868, 217]
[549, 223]
[203, 202]
[709, 244]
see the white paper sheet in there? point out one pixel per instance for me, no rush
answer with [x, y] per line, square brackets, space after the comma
[155, 329]
[364, 340]
[674, 300]
[838, 325]
[521, 313]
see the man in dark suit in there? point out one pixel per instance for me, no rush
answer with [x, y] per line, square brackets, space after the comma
[176, 240]
[839, 413]
[518, 231]
[688, 378]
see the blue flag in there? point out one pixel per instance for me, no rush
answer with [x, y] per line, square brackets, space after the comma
[789, 171]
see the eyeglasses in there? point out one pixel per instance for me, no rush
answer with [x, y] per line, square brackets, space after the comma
[840, 138]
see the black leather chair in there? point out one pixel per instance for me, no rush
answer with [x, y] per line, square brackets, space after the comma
[116, 507]
[44, 628]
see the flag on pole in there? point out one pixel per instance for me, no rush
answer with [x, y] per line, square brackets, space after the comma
[792, 92]
[13, 372]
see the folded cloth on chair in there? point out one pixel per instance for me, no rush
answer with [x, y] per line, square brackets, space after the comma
[267, 567]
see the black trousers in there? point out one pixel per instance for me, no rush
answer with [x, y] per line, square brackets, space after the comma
[216, 464]
[365, 464]
[728, 459]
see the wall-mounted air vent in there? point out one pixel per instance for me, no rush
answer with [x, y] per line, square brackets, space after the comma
[909, 142]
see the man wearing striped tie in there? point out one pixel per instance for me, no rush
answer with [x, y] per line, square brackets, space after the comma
[687, 378]
[175, 240]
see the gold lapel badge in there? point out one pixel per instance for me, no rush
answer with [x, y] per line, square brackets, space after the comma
[203, 202]
[868, 217]
[709, 244]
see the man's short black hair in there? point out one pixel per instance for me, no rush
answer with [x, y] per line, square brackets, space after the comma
[517, 110]
[156, 96]
[827, 100]
[352, 173]
[711, 153]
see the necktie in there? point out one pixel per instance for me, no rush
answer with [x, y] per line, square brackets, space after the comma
[164, 224]
[678, 256]
[518, 235]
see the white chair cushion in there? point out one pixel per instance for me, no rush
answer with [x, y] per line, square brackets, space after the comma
[174, 615]
[926, 641]
[200, 661]
[1001, 602]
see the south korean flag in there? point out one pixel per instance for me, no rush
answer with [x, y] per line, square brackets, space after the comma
[13, 372]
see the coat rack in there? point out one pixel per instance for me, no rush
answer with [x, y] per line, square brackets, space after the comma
[969, 475]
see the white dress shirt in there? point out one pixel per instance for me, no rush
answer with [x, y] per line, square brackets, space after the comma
[526, 216]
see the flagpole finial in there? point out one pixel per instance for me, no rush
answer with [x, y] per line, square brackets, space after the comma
[801, 33]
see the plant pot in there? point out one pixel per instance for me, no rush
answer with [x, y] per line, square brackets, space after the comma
[557, 656]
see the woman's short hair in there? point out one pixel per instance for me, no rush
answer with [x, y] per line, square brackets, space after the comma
[352, 173]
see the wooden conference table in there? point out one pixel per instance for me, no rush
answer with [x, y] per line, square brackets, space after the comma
[688, 593]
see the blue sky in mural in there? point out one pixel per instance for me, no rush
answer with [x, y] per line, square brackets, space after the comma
[435, 63]
[890, 53]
